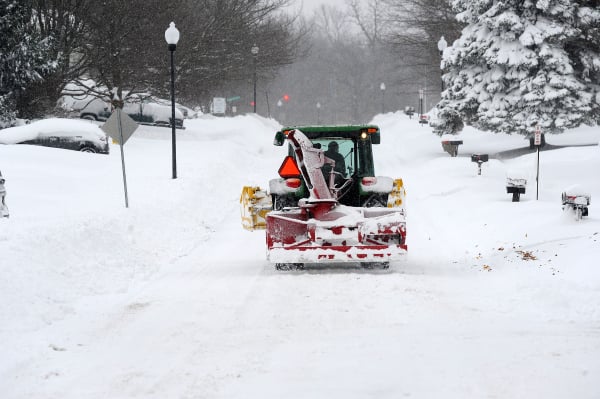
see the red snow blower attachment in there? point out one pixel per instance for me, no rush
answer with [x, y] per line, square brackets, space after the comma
[320, 229]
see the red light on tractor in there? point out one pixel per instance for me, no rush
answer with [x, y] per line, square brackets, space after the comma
[369, 181]
[252, 103]
[293, 182]
[286, 98]
[289, 168]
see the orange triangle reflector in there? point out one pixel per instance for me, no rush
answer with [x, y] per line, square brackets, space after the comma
[289, 168]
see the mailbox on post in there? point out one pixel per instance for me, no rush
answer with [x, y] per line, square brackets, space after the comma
[450, 144]
[576, 200]
[479, 159]
[3, 208]
[515, 185]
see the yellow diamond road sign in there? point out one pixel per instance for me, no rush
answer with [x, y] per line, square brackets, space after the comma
[111, 126]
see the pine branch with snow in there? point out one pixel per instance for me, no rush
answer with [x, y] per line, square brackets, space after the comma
[22, 53]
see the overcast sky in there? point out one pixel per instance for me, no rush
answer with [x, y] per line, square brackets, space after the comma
[308, 6]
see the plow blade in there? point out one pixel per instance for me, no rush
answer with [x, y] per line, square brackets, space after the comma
[344, 234]
[397, 197]
[254, 204]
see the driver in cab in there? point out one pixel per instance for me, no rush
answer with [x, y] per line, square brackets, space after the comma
[333, 153]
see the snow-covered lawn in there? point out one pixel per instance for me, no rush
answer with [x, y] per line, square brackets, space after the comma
[171, 298]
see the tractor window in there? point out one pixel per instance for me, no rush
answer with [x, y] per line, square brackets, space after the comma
[365, 159]
[357, 153]
[345, 147]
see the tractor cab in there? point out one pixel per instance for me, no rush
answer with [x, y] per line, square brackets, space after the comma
[354, 143]
[350, 149]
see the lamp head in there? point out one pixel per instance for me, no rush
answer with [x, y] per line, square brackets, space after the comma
[172, 36]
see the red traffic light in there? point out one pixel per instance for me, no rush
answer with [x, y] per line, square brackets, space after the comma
[286, 98]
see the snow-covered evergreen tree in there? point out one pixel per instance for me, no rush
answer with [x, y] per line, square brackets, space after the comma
[520, 64]
[22, 53]
[584, 50]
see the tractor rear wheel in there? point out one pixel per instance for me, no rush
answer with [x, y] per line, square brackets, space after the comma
[375, 265]
[283, 201]
[289, 266]
[376, 201]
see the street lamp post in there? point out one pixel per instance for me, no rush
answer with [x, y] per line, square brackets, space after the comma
[254, 51]
[442, 44]
[318, 112]
[420, 103]
[172, 37]
[382, 88]
[279, 113]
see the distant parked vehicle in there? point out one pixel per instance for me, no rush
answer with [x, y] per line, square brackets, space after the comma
[188, 113]
[68, 134]
[152, 113]
[95, 110]
[142, 111]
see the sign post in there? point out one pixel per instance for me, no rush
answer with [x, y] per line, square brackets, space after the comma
[420, 103]
[120, 127]
[537, 141]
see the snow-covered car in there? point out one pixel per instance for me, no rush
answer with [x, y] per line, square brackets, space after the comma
[188, 113]
[59, 133]
[95, 110]
[152, 113]
[144, 112]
